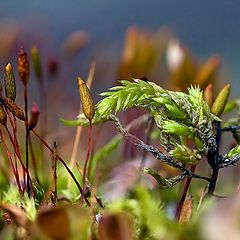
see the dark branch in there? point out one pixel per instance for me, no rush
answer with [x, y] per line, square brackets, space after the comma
[154, 151]
[230, 129]
[229, 161]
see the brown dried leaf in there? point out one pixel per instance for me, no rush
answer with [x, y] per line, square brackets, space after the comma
[186, 212]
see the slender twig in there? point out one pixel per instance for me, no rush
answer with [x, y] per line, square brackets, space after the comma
[154, 151]
[149, 130]
[33, 158]
[15, 173]
[229, 161]
[230, 128]
[27, 140]
[15, 144]
[79, 128]
[87, 155]
[88, 185]
[64, 164]
[54, 171]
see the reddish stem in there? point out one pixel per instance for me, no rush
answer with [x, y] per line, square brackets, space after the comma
[64, 164]
[184, 194]
[11, 162]
[87, 155]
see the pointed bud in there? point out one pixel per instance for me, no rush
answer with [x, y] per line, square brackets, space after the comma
[13, 108]
[208, 71]
[86, 99]
[23, 66]
[34, 116]
[36, 61]
[221, 101]
[3, 115]
[208, 94]
[10, 86]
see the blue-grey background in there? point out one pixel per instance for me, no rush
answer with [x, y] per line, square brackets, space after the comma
[206, 27]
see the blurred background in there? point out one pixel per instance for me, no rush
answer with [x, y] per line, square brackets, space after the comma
[173, 43]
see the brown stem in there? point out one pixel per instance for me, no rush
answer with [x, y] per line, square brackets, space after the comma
[27, 140]
[64, 164]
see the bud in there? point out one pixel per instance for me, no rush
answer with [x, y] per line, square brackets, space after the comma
[208, 71]
[13, 108]
[221, 101]
[23, 66]
[86, 99]
[34, 116]
[173, 127]
[208, 94]
[10, 86]
[185, 155]
[3, 115]
[36, 61]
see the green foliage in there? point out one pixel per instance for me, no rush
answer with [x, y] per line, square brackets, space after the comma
[151, 221]
[11, 196]
[104, 152]
[176, 114]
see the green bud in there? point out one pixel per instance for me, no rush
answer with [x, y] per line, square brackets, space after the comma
[176, 112]
[36, 61]
[221, 101]
[173, 127]
[10, 86]
[185, 155]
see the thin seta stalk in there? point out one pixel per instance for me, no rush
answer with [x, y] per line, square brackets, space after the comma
[184, 194]
[88, 110]
[24, 71]
[79, 128]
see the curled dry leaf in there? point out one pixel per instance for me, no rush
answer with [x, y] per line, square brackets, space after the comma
[186, 212]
